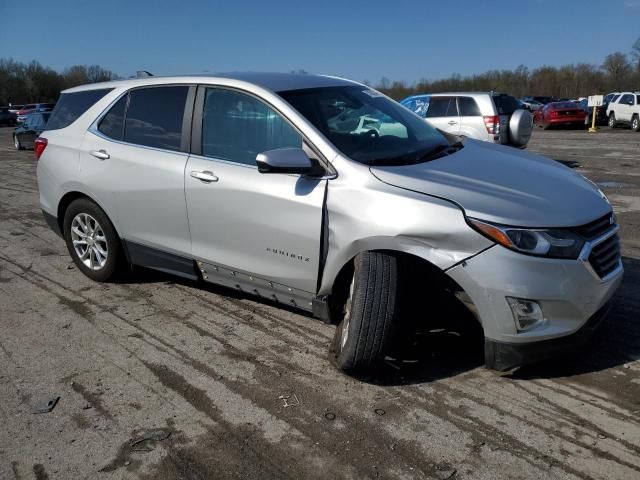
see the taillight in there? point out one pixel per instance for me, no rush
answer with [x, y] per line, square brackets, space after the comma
[38, 147]
[492, 122]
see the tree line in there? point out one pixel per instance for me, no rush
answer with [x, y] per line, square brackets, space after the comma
[618, 72]
[22, 83]
[32, 82]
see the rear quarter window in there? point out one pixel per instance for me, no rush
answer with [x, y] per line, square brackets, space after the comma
[468, 107]
[71, 105]
[505, 104]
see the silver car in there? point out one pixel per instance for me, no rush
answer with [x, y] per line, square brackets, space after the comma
[487, 116]
[322, 194]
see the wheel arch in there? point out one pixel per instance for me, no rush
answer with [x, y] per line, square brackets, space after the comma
[72, 195]
[415, 267]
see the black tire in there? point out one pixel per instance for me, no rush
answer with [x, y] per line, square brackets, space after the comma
[17, 143]
[635, 123]
[364, 334]
[115, 256]
[612, 120]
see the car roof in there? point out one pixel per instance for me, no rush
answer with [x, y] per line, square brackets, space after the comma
[276, 82]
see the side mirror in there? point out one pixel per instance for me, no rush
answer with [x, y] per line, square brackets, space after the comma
[288, 160]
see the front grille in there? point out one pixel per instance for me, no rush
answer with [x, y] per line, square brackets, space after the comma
[596, 228]
[605, 256]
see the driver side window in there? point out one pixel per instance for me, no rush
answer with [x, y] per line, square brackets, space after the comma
[237, 127]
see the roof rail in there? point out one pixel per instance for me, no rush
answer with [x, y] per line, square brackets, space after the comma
[143, 74]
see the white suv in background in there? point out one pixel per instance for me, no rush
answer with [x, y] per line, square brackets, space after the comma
[625, 108]
[487, 116]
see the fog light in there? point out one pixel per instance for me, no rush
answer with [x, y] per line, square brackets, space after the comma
[526, 313]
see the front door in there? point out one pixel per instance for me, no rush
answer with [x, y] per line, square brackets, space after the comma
[262, 226]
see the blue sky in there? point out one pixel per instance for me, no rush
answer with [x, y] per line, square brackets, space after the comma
[363, 40]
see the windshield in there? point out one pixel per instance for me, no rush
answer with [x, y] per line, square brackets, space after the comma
[367, 126]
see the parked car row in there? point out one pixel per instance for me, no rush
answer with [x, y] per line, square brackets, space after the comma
[17, 114]
[27, 110]
[487, 116]
[465, 114]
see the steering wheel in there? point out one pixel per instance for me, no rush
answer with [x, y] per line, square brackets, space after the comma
[372, 133]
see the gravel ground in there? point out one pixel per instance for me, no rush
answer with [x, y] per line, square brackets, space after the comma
[228, 387]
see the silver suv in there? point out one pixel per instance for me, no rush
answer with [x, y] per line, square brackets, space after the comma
[488, 116]
[322, 194]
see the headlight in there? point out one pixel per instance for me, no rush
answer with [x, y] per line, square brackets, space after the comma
[554, 243]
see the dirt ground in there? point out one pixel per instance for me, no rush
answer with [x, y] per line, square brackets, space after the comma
[162, 378]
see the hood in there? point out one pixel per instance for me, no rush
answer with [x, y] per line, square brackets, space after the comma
[503, 185]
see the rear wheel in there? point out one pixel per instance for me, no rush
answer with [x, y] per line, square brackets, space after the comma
[363, 336]
[612, 120]
[17, 143]
[635, 123]
[92, 241]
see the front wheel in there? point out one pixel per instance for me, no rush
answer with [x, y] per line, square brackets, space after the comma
[612, 120]
[635, 123]
[363, 336]
[92, 240]
[17, 143]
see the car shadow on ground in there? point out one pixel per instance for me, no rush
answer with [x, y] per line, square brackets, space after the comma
[442, 352]
[450, 341]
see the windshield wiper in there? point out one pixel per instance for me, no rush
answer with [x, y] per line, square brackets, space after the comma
[433, 153]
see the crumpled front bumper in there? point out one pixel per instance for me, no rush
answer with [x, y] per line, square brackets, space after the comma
[572, 297]
[505, 356]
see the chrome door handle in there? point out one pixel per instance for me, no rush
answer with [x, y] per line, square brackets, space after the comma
[451, 122]
[101, 154]
[205, 176]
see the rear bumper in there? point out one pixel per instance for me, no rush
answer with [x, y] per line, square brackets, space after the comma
[567, 121]
[504, 356]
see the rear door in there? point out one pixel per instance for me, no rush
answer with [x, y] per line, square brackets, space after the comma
[471, 122]
[443, 114]
[134, 158]
[247, 226]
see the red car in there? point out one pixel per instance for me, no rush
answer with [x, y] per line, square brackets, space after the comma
[568, 114]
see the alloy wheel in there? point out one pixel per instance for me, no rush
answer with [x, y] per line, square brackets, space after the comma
[89, 241]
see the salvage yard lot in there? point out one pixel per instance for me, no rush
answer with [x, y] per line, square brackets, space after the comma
[229, 387]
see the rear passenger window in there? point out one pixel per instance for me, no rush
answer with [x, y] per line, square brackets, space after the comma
[112, 124]
[505, 104]
[468, 107]
[442, 107]
[71, 105]
[154, 117]
[237, 127]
